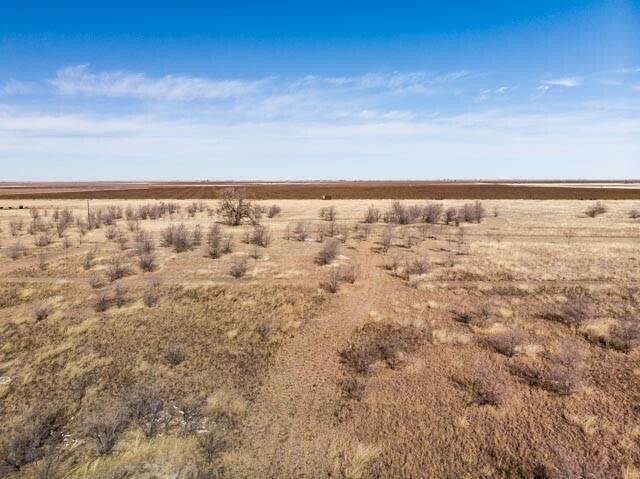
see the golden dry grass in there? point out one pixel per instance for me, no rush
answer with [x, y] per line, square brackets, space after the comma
[259, 376]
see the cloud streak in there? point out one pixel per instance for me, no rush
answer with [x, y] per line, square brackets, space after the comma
[79, 80]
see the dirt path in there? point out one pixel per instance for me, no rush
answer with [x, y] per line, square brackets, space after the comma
[293, 413]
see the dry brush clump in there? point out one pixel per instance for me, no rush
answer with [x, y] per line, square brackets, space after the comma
[624, 335]
[116, 268]
[559, 372]
[328, 252]
[218, 244]
[239, 266]
[259, 236]
[178, 237]
[377, 342]
[596, 210]
[273, 211]
[507, 342]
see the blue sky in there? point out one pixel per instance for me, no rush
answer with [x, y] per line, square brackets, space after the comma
[105, 90]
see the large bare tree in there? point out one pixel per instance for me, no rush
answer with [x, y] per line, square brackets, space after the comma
[236, 205]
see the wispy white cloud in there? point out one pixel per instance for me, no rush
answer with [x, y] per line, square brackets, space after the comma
[15, 87]
[567, 82]
[79, 80]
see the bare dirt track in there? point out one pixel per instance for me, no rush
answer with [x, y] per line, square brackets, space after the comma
[315, 190]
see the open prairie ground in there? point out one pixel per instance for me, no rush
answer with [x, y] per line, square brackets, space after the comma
[317, 348]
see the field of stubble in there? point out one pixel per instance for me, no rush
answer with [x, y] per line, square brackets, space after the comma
[500, 349]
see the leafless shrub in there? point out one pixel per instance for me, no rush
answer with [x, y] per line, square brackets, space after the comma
[178, 237]
[120, 294]
[217, 244]
[386, 240]
[472, 212]
[191, 411]
[149, 298]
[116, 269]
[255, 252]
[482, 318]
[489, 388]
[95, 282]
[63, 220]
[393, 264]
[144, 243]
[15, 227]
[625, 335]
[569, 234]
[43, 239]
[145, 408]
[196, 236]
[634, 214]
[372, 215]
[122, 241]
[111, 233]
[42, 261]
[174, 356]
[212, 443]
[362, 232]
[328, 252]
[65, 243]
[41, 311]
[380, 342]
[349, 273]
[236, 205]
[15, 250]
[328, 213]
[416, 266]
[451, 217]
[133, 225]
[147, 262]
[596, 210]
[104, 425]
[260, 236]
[507, 342]
[331, 282]
[101, 303]
[431, 213]
[274, 210]
[571, 314]
[89, 257]
[561, 372]
[400, 214]
[239, 266]
[352, 388]
[32, 438]
[192, 209]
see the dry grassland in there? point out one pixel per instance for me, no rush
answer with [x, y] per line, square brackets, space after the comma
[500, 349]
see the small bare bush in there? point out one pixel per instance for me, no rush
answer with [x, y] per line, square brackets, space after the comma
[560, 373]
[104, 426]
[43, 239]
[489, 388]
[625, 335]
[101, 303]
[596, 210]
[372, 215]
[331, 282]
[328, 213]
[349, 273]
[174, 356]
[634, 214]
[111, 233]
[178, 237]
[386, 240]
[95, 282]
[239, 266]
[15, 227]
[147, 262]
[328, 252]
[274, 210]
[451, 217]
[217, 243]
[116, 269]
[145, 407]
[41, 311]
[30, 440]
[260, 236]
[212, 443]
[15, 250]
[416, 266]
[431, 213]
[120, 294]
[144, 242]
[88, 258]
[507, 342]
[149, 298]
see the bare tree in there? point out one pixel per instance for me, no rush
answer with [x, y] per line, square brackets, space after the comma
[236, 205]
